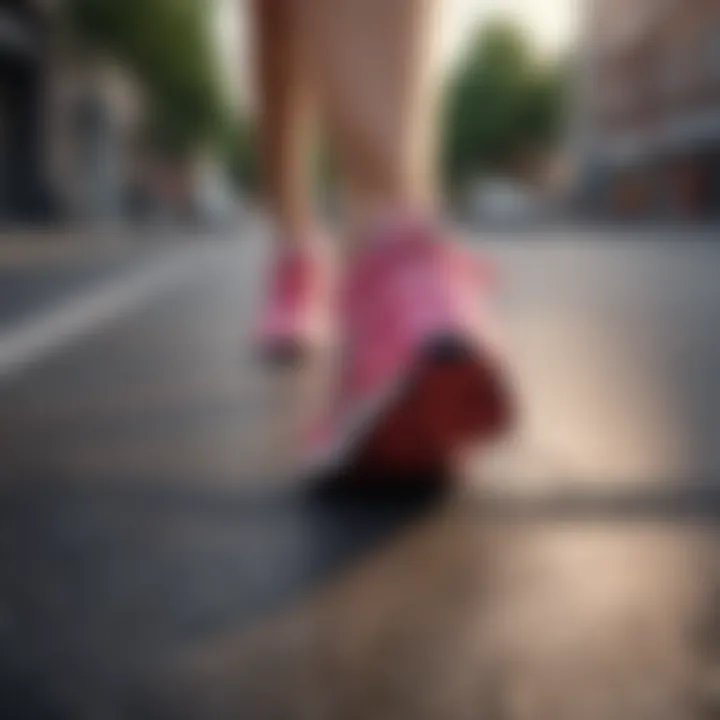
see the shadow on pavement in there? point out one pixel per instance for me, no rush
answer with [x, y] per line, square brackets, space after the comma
[101, 585]
[97, 582]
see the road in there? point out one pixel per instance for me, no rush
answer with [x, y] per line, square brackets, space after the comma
[160, 560]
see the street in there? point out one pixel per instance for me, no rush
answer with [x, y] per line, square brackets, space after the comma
[158, 558]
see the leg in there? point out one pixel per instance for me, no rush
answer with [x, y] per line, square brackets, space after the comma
[295, 317]
[419, 382]
[284, 110]
[372, 65]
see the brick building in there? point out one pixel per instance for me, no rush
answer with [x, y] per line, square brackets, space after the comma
[649, 108]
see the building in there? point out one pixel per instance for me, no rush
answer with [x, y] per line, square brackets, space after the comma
[93, 110]
[72, 121]
[67, 122]
[648, 125]
[24, 187]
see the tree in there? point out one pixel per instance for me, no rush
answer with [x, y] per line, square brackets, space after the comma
[503, 105]
[167, 45]
[240, 153]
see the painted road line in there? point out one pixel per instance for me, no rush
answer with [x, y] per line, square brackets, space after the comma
[36, 338]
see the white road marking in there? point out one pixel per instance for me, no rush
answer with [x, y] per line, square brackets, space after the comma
[36, 338]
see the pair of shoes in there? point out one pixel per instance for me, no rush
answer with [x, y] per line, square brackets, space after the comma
[419, 377]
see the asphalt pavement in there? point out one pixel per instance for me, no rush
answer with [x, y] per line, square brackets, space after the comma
[160, 559]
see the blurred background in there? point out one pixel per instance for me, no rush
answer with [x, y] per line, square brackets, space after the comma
[157, 559]
[608, 110]
[605, 110]
[106, 120]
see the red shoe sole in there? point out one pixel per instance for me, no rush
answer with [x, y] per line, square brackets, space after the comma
[457, 397]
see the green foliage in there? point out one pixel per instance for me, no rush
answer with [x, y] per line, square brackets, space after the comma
[503, 105]
[239, 148]
[167, 45]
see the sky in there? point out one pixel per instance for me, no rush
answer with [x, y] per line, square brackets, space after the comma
[550, 23]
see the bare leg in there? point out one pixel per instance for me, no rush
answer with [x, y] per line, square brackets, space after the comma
[284, 112]
[407, 304]
[372, 65]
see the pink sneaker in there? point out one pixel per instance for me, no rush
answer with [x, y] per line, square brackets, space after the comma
[297, 314]
[420, 379]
